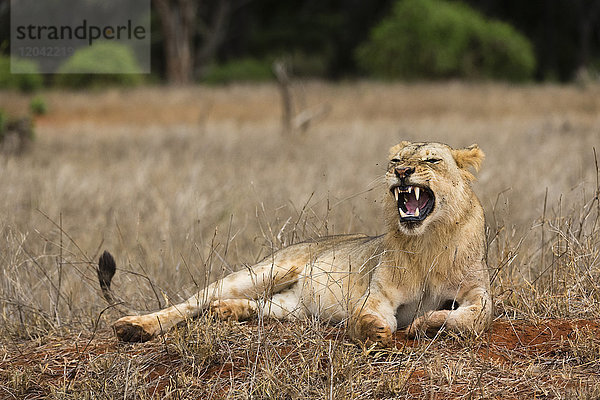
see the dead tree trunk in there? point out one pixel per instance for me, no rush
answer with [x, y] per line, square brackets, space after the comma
[293, 117]
[281, 73]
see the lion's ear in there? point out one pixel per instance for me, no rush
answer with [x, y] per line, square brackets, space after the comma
[396, 149]
[471, 156]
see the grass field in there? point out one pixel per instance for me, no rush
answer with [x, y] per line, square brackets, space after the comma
[183, 185]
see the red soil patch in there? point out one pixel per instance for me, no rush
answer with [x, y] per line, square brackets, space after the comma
[510, 340]
[57, 361]
[518, 346]
[543, 338]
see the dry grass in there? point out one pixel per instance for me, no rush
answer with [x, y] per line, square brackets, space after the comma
[183, 185]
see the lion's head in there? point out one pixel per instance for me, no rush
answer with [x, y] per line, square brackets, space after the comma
[429, 183]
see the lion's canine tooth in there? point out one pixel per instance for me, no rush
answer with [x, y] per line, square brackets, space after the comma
[417, 212]
[402, 213]
[410, 189]
[396, 192]
[417, 192]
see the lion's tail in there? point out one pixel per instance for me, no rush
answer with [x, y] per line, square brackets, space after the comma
[106, 270]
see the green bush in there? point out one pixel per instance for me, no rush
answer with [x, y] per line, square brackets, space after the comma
[38, 106]
[438, 39]
[245, 70]
[506, 54]
[28, 81]
[94, 67]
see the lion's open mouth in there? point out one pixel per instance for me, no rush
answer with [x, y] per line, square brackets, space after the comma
[415, 203]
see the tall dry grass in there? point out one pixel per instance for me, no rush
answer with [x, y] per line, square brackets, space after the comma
[184, 185]
[221, 185]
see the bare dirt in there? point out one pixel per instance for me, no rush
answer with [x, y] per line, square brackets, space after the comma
[524, 347]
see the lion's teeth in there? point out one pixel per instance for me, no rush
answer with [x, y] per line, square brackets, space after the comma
[410, 189]
[396, 192]
[417, 212]
[417, 192]
[402, 213]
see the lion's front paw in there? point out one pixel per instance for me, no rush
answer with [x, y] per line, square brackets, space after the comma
[428, 324]
[135, 329]
[371, 328]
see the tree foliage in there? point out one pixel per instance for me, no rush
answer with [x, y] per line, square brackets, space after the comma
[424, 39]
[565, 35]
[95, 66]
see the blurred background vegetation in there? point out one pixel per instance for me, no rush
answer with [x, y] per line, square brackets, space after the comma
[219, 41]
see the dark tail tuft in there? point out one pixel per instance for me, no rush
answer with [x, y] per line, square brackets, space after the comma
[106, 270]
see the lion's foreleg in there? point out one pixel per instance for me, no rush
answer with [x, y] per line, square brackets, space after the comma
[375, 319]
[472, 316]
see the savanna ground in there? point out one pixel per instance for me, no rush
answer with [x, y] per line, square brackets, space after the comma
[184, 185]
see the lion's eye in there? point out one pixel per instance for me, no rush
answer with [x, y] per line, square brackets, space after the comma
[433, 160]
[395, 160]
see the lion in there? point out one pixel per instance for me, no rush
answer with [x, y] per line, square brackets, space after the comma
[427, 273]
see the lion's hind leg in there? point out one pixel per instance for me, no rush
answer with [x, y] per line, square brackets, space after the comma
[251, 283]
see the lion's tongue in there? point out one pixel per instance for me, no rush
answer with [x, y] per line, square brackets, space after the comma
[412, 203]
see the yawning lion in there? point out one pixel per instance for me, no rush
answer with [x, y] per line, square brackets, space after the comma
[426, 273]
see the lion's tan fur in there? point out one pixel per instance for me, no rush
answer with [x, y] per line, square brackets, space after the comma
[407, 278]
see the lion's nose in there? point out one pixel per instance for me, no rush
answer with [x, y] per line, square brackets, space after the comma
[404, 172]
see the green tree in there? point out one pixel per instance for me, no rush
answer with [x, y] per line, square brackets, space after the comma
[95, 66]
[425, 39]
